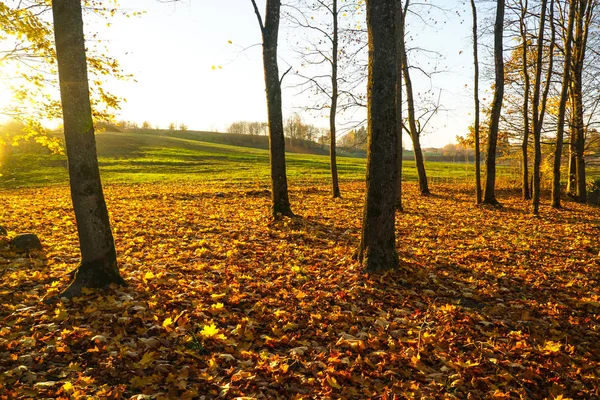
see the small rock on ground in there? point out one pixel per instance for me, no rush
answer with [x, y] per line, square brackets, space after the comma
[26, 242]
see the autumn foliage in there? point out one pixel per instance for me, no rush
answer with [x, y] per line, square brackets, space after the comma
[223, 301]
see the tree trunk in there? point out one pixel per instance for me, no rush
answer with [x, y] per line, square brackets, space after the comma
[270, 34]
[412, 122]
[490, 184]
[572, 179]
[580, 195]
[98, 266]
[562, 107]
[377, 250]
[537, 121]
[335, 188]
[526, 89]
[583, 20]
[399, 50]
[478, 193]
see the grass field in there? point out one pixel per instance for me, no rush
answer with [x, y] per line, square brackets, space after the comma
[158, 157]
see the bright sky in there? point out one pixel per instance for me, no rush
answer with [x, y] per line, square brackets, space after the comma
[172, 48]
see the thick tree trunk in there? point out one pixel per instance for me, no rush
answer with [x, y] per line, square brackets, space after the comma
[377, 250]
[562, 107]
[335, 187]
[478, 194]
[98, 256]
[412, 123]
[526, 90]
[490, 184]
[270, 34]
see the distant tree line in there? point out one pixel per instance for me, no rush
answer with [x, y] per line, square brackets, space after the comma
[132, 126]
[295, 130]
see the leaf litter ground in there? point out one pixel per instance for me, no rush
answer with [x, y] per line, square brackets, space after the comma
[224, 302]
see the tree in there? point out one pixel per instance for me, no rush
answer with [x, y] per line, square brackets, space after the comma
[98, 256]
[476, 98]
[29, 52]
[377, 249]
[526, 89]
[584, 11]
[414, 129]
[560, 129]
[270, 33]
[539, 112]
[490, 185]
[335, 186]
[322, 47]
[400, 12]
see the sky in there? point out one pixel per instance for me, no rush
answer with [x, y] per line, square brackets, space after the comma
[198, 62]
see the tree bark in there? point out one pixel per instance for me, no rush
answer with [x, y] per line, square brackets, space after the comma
[562, 107]
[412, 123]
[478, 194]
[98, 266]
[526, 90]
[377, 250]
[490, 185]
[335, 187]
[270, 34]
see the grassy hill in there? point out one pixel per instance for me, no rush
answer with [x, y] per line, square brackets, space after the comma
[159, 156]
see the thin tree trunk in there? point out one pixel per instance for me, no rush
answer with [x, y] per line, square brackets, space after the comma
[581, 195]
[478, 193]
[562, 107]
[335, 188]
[572, 179]
[270, 34]
[537, 121]
[526, 127]
[412, 123]
[399, 49]
[98, 266]
[490, 184]
[377, 250]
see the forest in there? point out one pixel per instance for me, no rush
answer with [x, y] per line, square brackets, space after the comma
[139, 263]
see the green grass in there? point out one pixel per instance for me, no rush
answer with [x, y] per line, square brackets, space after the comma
[162, 157]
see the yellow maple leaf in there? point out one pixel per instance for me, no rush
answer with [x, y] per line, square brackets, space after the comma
[167, 323]
[68, 387]
[290, 326]
[211, 332]
[147, 359]
[333, 382]
[550, 347]
[149, 275]
[61, 314]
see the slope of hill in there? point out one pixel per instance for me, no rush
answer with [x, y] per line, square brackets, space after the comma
[165, 156]
[172, 156]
